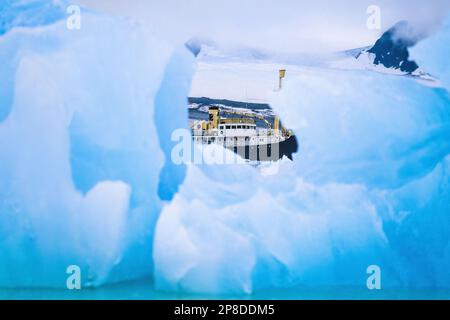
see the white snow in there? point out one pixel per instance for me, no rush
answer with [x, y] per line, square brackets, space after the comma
[432, 53]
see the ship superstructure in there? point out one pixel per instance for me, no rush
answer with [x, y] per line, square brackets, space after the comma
[241, 134]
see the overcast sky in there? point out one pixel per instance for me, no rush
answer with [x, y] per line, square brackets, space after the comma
[277, 25]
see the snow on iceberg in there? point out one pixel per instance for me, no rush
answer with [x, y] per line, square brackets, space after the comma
[364, 127]
[79, 149]
[432, 53]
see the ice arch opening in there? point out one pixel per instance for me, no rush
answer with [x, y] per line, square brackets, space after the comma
[367, 188]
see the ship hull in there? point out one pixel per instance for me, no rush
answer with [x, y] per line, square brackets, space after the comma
[267, 152]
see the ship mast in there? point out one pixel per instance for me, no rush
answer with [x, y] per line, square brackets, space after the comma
[281, 75]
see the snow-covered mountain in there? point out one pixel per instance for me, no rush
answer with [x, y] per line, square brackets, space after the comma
[391, 50]
[389, 55]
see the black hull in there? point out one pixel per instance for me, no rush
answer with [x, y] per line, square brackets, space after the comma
[268, 152]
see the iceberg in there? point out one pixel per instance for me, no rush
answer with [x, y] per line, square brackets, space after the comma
[30, 13]
[87, 179]
[369, 186]
[365, 127]
[80, 152]
[281, 231]
[432, 53]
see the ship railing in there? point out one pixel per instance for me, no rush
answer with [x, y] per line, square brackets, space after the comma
[201, 132]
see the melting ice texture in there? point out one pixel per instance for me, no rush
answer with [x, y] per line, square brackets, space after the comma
[80, 154]
[86, 176]
[431, 53]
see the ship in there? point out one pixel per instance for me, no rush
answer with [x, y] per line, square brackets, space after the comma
[238, 131]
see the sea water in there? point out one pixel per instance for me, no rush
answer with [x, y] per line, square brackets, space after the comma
[143, 289]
